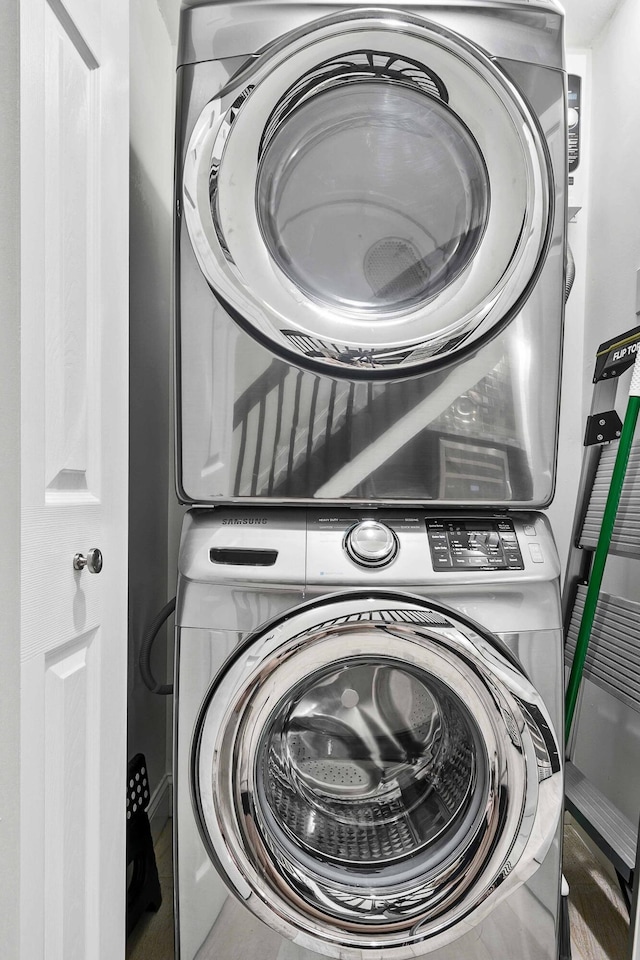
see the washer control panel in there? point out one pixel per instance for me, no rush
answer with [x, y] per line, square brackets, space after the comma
[474, 544]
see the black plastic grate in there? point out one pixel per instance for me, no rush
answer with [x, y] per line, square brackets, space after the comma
[137, 786]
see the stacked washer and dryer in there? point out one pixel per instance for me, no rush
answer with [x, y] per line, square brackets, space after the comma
[370, 251]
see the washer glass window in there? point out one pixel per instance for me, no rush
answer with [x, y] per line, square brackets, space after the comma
[371, 766]
[372, 197]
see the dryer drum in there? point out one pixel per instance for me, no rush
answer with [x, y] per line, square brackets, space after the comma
[370, 197]
[379, 798]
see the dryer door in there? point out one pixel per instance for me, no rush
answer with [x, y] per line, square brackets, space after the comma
[371, 197]
[373, 775]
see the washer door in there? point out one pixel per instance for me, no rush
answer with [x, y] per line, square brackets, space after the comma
[370, 197]
[373, 775]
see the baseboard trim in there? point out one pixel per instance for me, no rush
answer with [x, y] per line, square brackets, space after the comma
[159, 809]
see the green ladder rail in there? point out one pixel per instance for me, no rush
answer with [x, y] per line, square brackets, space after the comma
[604, 542]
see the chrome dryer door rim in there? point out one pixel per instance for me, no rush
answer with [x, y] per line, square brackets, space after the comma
[342, 826]
[444, 97]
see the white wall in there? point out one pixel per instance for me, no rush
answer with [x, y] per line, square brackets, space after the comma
[10, 484]
[151, 513]
[614, 233]
[614, 207]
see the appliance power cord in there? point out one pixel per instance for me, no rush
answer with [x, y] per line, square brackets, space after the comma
[148, 640]
[570, 274]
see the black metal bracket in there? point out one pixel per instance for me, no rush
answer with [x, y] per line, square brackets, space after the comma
[602, 428]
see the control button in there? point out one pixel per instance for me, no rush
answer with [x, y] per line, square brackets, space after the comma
[371, 543]
[530, 530]
[535, 551]
[572, 117]
[508, 538]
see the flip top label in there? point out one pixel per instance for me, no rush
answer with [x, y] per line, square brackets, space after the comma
[617, 355]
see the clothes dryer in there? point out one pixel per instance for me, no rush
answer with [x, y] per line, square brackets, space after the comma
[369, 714]
[370, 232]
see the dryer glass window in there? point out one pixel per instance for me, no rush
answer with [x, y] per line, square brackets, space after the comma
[372, 197]
[370, 766]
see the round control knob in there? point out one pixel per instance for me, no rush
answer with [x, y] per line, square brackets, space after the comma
[371, 544]
[572, 117]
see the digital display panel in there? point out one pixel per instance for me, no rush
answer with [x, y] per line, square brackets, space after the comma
[474, 545]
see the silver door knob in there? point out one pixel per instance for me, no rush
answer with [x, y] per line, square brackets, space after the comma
[92, 561]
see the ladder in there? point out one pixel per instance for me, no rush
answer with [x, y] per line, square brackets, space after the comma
[612, 664]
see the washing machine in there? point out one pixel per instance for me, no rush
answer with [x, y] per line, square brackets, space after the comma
[368, 730]
[370, 251]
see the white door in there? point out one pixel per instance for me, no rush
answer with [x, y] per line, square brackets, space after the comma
[74, 215]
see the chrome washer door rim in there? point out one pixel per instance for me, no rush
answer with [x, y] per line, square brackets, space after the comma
[523, 799]
[221, 170]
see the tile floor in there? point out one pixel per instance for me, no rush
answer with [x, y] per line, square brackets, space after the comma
[599, 920]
